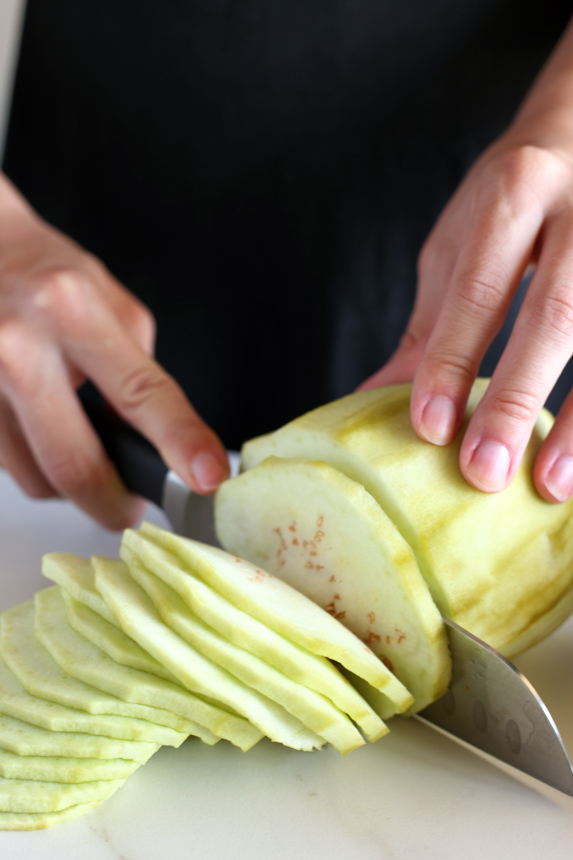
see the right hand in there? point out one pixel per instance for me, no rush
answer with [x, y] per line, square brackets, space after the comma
[65, 319]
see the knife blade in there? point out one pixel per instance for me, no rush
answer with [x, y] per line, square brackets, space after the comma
[489, 704]
[493, 707]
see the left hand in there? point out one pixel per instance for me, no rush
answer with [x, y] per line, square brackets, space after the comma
[513, 210]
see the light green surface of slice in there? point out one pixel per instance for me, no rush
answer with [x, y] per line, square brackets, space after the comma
[39, 673]
[315, 711]
[280, 606]
[62, 768]
[112, 639]
[82, 660]
[43, 820]
[25, 795]
[499, 564]
[15, 701]
[140, 620]
[203, 720]
[315, 672]
[208, 722]
[76, 576]
[27, 740]
[328, 538]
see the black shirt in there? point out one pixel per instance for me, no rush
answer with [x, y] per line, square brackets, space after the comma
[262, 174]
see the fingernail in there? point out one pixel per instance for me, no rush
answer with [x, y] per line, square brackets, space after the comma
[559, 481]
[208, 471]
[438, 420]
[489, 467]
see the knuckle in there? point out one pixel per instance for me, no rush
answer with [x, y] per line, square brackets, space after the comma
[555, 313]
[519, 163]
[454, 366]
[480, 290]
[65, 297]
[141, 385]
[11, 343]
[17, 371]
[141, 322]
[75, 476]
[516, 173]
[518, 406]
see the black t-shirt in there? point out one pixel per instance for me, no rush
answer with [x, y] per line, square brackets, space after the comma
[263, 174]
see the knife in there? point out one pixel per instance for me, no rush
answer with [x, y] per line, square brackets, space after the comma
[489, 704]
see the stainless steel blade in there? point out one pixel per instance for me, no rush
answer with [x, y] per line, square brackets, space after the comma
[489, 704]
[190, 514]
[493, 707]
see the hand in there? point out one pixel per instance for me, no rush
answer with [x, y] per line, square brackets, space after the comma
[513, 210]
[65, 319]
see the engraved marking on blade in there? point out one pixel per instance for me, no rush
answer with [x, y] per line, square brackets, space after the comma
[513, 737]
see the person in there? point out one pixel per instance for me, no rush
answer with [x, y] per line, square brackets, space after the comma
[260, 177]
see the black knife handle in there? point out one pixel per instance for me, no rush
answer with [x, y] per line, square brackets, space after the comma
[137, 461]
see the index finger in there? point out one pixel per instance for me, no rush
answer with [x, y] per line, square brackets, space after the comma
[148, 398]
[501, 238]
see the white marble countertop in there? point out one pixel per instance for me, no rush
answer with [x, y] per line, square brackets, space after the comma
[415, 794]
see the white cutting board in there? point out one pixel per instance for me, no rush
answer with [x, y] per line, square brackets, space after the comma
[415, 795]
